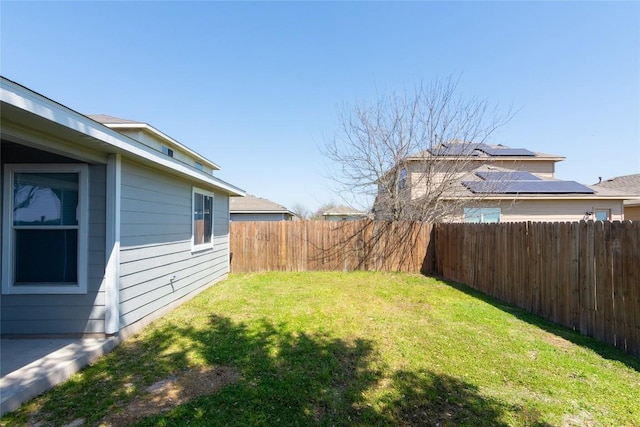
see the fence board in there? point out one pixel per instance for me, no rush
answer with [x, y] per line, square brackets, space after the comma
[629, 286]
[600, 255]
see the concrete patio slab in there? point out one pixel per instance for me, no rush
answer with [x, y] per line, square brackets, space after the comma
[31, 366]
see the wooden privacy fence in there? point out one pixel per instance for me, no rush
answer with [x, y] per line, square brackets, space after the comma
[585, 276]
[329, 246]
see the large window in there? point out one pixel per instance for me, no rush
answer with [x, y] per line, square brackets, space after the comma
[202, 219]
[45, 228]
[484, 215]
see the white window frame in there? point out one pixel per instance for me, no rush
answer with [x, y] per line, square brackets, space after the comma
[202, 246]
[8, 256]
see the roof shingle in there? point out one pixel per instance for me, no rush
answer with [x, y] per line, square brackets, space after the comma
[627, 184]
[111, 120]
[255, 204]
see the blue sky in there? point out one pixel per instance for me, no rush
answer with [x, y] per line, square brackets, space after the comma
[257, 87]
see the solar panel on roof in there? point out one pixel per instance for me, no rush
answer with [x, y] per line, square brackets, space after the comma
[506, 151]
[507, 176]
[527, 187]
[475, 145]
[452, 152]
[456, 149]
[464, 148]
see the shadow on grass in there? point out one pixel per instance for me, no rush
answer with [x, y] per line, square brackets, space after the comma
[301, 379]
[285, 379]
[426, 398]
[606, 351]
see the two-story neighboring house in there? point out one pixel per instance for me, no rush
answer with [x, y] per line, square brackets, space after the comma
[464, 181]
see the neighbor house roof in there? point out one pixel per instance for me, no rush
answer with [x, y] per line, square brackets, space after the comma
[481, 152]
[629, 184]
[20, 104]
[344, 210]
[253, 204]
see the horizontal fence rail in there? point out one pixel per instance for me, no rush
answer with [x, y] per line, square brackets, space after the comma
[585, 276]
[329, 246]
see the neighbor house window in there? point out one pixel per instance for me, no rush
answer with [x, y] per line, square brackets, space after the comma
[44, 245]
[402, 180]
[202, 219]
[484, 215]
[168, 151]
[199, 166]
[602, 214]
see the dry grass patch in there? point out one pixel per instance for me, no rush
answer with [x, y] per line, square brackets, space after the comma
[171, 392]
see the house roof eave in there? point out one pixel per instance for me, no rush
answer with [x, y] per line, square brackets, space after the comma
[163, 137]
[35, 104]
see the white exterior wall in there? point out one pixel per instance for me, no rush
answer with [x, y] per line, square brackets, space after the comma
[550, 210]
[543, 168]
[562, 210]
[157, 267]
[419, 182]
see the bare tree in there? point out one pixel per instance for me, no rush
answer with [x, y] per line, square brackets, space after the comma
[300, 210]
[408, 151]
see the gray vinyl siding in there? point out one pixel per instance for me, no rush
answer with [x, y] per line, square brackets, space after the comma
[63, 314]
[155, 231]
[156, 221]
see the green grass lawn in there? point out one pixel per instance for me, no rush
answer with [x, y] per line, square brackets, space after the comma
[356, 349]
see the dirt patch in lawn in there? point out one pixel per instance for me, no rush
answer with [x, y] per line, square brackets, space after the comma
[557, 341]
[173, 391]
